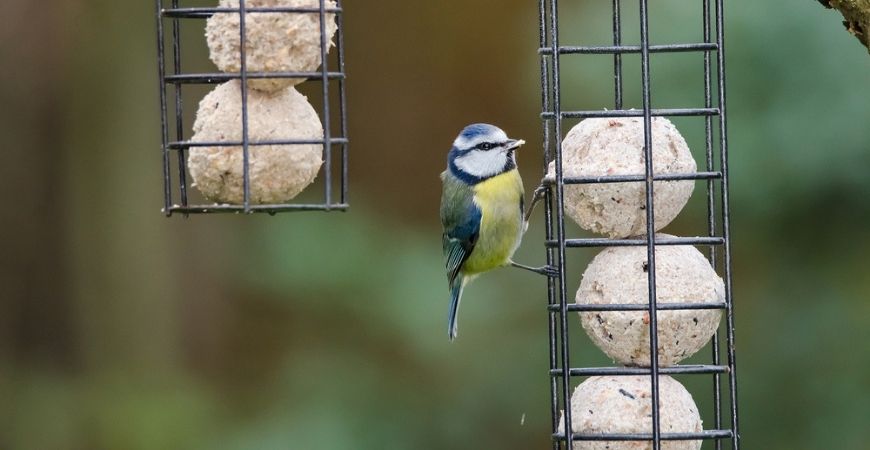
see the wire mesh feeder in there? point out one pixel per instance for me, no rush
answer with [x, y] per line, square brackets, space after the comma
[178, 195]
[724, 431]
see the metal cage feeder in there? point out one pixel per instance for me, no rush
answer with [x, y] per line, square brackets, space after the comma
[173, 81]
[562, 371]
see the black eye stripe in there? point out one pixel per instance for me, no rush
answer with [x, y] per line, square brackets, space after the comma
[487, 145]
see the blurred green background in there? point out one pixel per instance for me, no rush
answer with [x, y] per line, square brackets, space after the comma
[121, 329]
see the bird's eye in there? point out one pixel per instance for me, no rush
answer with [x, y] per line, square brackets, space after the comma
[485, 146]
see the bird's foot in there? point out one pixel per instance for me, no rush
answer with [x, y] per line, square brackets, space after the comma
[541, 190]
[539, 194]
[549, 271]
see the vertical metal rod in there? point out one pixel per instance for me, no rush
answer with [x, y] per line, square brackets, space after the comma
[342, 104]
[164, 127]
[560, 225]
[553, 322]
[617, 57]
[324, 76]
[179, 109]
[650, 225]
[726, 225]
[711, 210]
[243, 67]
[548, 218]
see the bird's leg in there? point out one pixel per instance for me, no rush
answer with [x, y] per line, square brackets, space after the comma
[540, 193]
[550, 271]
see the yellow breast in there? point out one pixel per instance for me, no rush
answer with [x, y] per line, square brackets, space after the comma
[500, 224]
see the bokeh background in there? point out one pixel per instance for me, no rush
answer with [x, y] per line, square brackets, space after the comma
[121, 329]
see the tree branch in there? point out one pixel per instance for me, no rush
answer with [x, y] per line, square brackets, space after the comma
[857, 15]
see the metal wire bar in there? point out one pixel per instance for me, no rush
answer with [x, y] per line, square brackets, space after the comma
[179, 119]
[683, 306]
[243, 70]
[223, 208]
[327, 118]
[205, 13]
[220, 77]
[638, 178]
[726, 223]
[552, 324]
[617, 49]
[617, 56]
[342, 102]
[175, 145]
[650, 225]
[176, 201]
[701, 435]
[560, 221]
[164, 127]
[634, 371]
[607, 242]
[669, 112]
[711, 208]
[557, 242]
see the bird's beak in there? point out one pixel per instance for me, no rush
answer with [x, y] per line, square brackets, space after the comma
[513, 144]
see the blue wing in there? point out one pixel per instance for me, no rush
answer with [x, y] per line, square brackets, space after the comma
[459, 239]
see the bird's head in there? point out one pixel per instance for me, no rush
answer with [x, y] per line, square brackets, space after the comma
[482, 151]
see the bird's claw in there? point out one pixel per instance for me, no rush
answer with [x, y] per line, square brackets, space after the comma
[550, 271]
[539, 194]
[541, 190]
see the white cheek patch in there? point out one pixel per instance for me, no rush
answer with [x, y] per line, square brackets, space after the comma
[482, 164]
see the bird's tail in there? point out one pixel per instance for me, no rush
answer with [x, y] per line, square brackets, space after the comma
[455, 296]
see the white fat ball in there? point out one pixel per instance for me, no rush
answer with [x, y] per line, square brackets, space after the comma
[623, 405]
[275, 42]
[600, 147]
[619, 275]
[277, 172]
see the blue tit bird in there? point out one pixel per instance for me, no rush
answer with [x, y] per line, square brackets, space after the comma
[481, 209]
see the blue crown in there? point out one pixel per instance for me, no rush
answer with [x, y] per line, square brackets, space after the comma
[477, 129]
